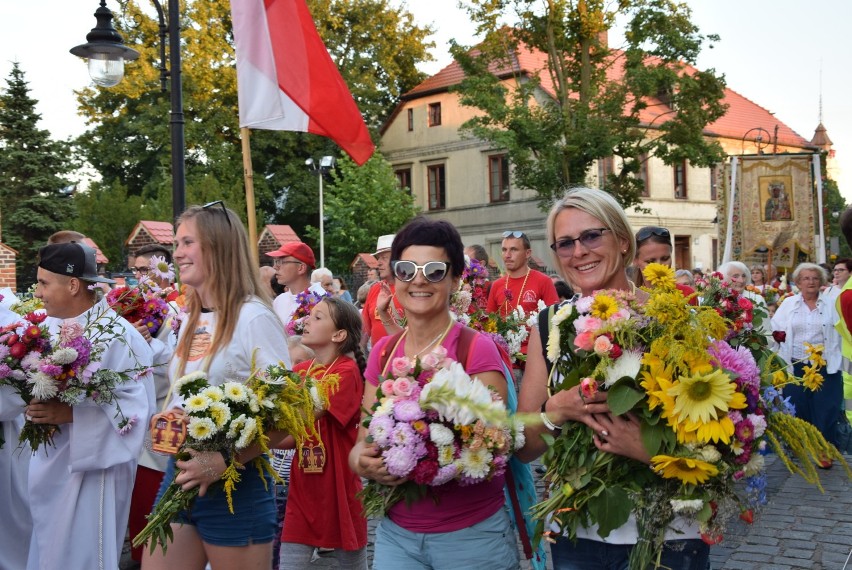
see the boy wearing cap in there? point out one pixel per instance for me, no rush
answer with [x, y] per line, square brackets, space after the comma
[380, 317]
[294, 262]
[80, 489]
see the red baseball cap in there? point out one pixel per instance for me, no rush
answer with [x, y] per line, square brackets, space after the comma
[296, 249]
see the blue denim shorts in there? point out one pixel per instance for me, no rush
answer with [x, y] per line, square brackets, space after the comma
[253, 521]
[487, 545]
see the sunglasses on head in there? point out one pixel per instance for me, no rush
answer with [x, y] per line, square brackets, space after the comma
[514, 234]
[649, 231]
[433, 271]
[221, 204]
[589, 238]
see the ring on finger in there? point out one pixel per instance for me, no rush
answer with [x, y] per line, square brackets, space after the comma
[582, 397]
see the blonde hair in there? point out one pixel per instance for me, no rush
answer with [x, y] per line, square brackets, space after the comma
[602, 206]
[232, 277]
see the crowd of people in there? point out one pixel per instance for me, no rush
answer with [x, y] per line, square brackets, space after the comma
[71, 505]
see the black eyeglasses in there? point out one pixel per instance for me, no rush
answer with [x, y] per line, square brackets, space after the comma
[221, 204]
[514, 234]
[142, 270]
[649, 231]
[433, 271]
[589, 238]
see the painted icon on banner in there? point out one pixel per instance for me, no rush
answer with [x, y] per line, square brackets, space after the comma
[776, 195]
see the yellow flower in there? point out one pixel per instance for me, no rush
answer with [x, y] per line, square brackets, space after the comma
[702, 397]
[714, 430]
[667, 307]
[220, 413]
[604, 306]
[197, 403]
[814, 354]
[812, 379]
[780, 378]
[201, 428]
[686, 469]
[660, 276]
[490, 326]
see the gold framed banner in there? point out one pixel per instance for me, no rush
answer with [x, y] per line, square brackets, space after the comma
[775, 198]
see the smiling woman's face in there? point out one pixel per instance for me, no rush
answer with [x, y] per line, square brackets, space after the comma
[590, 268]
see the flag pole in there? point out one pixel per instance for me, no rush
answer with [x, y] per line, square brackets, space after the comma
[245, 134]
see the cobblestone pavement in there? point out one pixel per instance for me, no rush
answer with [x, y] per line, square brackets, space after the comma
[799, 528]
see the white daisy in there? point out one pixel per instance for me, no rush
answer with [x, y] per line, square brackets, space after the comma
[220, 413]
[188, 379]
[476, 463]
[446, 455]
[236, 425]
[197, 403]
[201, 429]
[214, 393]
[235, 391]
[248, 434]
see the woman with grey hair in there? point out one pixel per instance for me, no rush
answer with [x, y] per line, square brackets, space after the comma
[738, 276]
[808, 317]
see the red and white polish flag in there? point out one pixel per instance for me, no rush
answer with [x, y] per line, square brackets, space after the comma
[287, 81]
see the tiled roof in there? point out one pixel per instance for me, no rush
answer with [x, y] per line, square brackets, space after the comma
[742, 115]
[100, 258]
[282, 233]
[367, 258]
[161, 232]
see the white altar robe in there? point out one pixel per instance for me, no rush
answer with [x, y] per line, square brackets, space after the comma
[80, 490]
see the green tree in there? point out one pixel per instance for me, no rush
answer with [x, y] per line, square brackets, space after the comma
[834, 205]
[361, 203]
[597, 100]
[374, 43]
[33, 203]
[107, 214]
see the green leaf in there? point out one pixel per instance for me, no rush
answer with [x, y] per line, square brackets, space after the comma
[621, 398]
[610, 509]
[653, 437]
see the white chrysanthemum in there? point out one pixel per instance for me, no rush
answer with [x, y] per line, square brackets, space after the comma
[236, 426]
[319, 405]
[197, 403]
[220, 413]
[214, 393]
[440, 434]
[248, 434]
[446, 455]
[710, 454]
[63, 356]
[254, 405]
[201, 429]
[686, 506]
[563, 313]
[188, 379]
[759, 423]
[755, 465]
[44, 387]
[520, 437]
[475, 463]
[385, 407]
[628, 364]
[235, 391]
[553, 344]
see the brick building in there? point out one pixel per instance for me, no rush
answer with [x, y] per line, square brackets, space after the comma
[149, 232]
[8, 275]
[271, 238]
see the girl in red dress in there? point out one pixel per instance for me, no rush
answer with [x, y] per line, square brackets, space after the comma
[322, 511]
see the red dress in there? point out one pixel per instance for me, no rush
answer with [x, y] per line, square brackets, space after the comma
[321, 506]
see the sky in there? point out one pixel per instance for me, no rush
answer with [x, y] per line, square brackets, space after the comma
[770, 51]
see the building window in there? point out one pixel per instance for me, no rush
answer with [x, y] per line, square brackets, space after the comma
[606, 166]
[642, 175]
[714, 181]
[498, 178]
[680, 180]
[403, 176]
[437, 187]
[411, 119]
[434, 114]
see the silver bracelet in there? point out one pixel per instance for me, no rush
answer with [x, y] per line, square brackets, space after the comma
[206, 468]
[549, 424]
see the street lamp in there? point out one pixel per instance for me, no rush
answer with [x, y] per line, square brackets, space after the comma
[326, 164]
[106, 49]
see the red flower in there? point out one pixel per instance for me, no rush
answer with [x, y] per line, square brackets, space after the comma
[31, 333]
[12, 340]
[745, 304]
[18, 351]
[36, 318]
[425, 471]
[711, 539]
[779, 336]
[615, 352]
[747, 515]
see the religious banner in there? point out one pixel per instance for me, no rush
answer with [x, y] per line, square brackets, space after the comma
[768, 211]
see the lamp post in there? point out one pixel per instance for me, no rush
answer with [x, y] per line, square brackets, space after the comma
[106, 54]
[325, 165]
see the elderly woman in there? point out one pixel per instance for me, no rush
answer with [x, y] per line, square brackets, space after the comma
[738, 276]
[808, 317]
[592, 246]
[452, 526]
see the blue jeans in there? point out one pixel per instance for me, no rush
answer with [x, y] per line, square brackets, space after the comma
[822, 408]
[584, 554]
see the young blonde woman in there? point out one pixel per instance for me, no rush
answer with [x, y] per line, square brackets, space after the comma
[229, 322]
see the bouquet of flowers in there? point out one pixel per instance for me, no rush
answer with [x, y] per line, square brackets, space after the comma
[307, 300]
[230, 418]
[28, 302]
[147, 302]
[67, 368]
[435, 424]
[705, 392]
[472, 296]
[508, 332]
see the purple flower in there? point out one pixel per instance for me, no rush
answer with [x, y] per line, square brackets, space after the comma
[380, 430]
[403, 434]
[125, 426]
[5, 371]
[407, 410]
[739, 361]
[31, 361]
[445, 474]
[399, 460]
[53, 370]
[4, 351]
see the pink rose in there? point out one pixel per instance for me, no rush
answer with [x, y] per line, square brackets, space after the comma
[588, 387]
[403, 387]
[587, 323]
[440, 352]
[745, 304]
[434, 359]
[387, 388]
[602, 345]
[585, 341]
[401, 366]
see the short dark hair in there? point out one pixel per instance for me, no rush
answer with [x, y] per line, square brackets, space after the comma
[846, 225]
[153, 249]
[435, 233]
[563, 290]
[479, 253]
[845, 261]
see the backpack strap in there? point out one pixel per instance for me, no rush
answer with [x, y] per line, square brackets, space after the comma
[387, 350]
[467, 338]
[544, 333]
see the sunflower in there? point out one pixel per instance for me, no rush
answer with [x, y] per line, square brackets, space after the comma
[660, 276]
[713, 431]
[701, 397]
[688, 470]
[604, 306]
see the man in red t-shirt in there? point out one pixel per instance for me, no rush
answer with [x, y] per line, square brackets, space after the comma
[522, 286]
[380, 317]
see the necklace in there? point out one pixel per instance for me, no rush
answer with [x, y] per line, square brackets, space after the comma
[520, 294]
[437, 340]
[327, 368]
